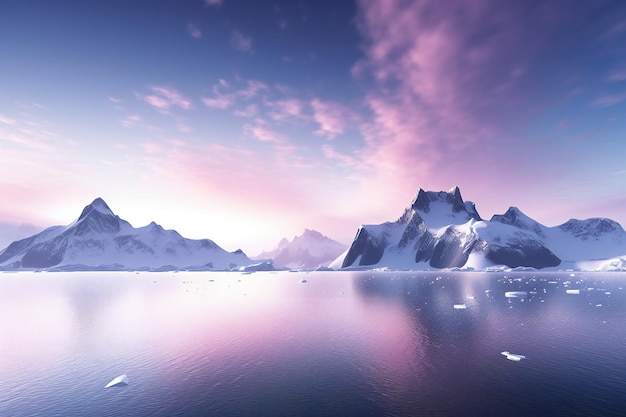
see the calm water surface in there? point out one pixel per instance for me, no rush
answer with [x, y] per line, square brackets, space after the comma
[344, 344]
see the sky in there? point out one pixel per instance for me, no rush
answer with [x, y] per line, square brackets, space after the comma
[248, 121]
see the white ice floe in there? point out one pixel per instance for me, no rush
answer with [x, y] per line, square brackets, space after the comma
[460, 306]
[572, 291]
[512, 356]
[120, 381]
[515, 294]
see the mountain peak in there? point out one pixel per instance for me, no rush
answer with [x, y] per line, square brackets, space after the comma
[101, 240]
[515, 217]
[452, 197]
[97, 217]
[98, 205]
[312, 234]
[591, 228]
[309, 250]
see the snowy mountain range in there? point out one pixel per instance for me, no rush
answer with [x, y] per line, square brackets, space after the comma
[440, 230]
[309, 250]
[101, 240]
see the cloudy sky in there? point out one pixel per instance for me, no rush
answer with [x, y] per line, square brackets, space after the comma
[246, 121]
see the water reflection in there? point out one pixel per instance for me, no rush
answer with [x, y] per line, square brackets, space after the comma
[341, 343]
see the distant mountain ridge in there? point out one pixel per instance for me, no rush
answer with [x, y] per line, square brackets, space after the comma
[437, 230]
[440, 230]
[99, 239]
[309, 250]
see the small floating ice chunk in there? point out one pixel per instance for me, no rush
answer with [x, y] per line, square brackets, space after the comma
[460, 306]
[515, 294]
[303, 280]
[512, 356]
[572, 291]
[120, 381]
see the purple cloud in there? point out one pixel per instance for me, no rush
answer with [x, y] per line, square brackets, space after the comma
[332, 118]
[617, 76]
[263, 133]
[223, 99]
[164, 98]
[448, 79]
[220, 101]
[194, 31]
[609, 100]
[241, 42]
[249, 111]
[7, 120]
[286, 109]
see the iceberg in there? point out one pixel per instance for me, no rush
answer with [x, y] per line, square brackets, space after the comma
[512, 356]
[460, 306]
[120, 381]
[515, 294]
[572, 291]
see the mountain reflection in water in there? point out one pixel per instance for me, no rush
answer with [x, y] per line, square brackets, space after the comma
[359, 343]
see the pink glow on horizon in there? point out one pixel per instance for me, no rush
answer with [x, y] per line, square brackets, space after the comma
[518, 104]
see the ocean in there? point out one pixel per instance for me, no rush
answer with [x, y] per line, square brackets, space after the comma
[312, 344]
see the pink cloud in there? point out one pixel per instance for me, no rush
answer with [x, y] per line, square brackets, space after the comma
[194, 31]
[165, 98]
[224, 100]
[331, 117]
[448, 78]
[241, 42]
[249, 111]
[131, 120]
[253, 88]
[219, 102]
[263, 133]
[7, 120]
[286, 109]
[609, 100]
[331, 153]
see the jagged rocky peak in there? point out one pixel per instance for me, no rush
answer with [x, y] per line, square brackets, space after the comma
[452, 197]
[515, 217]
[97, 217]
[593, 227]
[365, 247]
[312, 234]
[98, 205]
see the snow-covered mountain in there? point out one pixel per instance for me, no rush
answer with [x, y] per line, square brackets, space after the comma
[440, 230]
[99, 239]
[309, 250]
